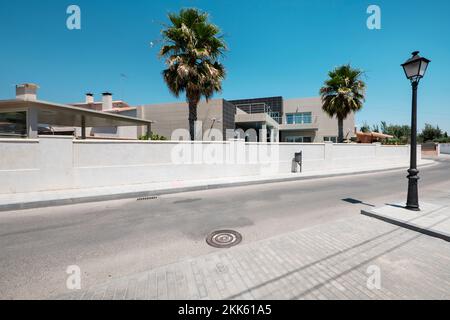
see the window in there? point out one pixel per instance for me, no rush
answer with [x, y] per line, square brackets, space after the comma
[13, 123]
[299, 139]
[332, 139]
[275, 116]
[296, 118]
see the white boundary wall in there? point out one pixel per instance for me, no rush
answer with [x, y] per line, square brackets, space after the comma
[55, 163]
[444, 148]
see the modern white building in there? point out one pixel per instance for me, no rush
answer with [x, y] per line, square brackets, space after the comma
[280, 120]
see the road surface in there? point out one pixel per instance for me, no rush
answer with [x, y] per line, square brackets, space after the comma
[113, 239]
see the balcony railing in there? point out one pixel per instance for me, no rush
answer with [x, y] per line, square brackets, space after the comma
[260, 107]
[277, 119]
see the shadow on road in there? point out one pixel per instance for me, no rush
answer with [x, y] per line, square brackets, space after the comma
[355, 201]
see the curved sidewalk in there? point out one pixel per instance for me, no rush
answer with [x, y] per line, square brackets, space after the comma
[351, 258]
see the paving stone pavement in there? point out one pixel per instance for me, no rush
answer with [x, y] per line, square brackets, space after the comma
[335, 260]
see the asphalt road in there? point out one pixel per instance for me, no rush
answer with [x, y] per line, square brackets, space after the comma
[112, 239]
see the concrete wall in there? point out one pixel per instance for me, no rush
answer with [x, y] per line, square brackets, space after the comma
[54, 163]
[36, 164]
[327, 127]
[228, 117]
[445, 148]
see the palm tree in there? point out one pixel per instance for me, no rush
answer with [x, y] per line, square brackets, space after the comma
[192, 47]
[342, 94]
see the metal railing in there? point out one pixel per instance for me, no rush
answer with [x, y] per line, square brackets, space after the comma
[260, 107]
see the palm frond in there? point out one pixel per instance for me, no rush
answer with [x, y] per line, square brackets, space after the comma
[192, 46]
[343, 92]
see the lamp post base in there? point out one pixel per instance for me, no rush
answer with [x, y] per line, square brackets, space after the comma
[412, 202]
[412, 208]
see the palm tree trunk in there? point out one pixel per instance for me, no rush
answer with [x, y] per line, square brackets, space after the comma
[340, 130]
[192, 118]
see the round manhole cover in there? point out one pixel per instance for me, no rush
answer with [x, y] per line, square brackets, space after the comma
[224, 238]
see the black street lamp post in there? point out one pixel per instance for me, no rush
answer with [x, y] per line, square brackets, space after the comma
[415, 69]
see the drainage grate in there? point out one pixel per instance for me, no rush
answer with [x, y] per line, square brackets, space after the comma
[147, 198]
[224, 238]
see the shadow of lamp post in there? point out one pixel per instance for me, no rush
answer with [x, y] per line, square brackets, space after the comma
[415, 69]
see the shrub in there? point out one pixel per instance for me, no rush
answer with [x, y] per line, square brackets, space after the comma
[153, 136]
[392, 141]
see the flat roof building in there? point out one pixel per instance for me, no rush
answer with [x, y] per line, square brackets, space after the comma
[26, 115]
[303, 120]
[110, 106]
[167, 117]
[274, 118]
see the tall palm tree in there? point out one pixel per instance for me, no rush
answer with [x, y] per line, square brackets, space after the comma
[192, 47]
[342, 94]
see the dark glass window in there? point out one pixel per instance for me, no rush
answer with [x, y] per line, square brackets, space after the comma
[332, 139]
[13, 123]
[290, 118]
[299, 139]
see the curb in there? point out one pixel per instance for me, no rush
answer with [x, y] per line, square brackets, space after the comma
[140, 194]
[405, 225]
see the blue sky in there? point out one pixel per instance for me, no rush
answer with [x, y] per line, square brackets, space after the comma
[282, 47]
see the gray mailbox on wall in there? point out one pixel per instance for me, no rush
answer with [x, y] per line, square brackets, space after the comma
[297, 162]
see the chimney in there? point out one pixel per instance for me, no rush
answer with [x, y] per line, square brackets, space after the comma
[26, 91]
[107, 101]
[89, 98]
